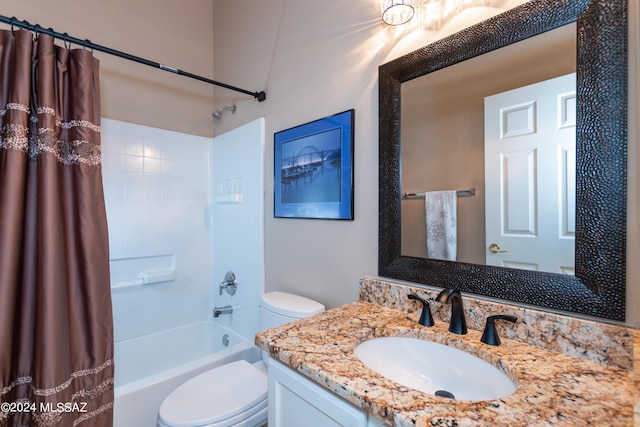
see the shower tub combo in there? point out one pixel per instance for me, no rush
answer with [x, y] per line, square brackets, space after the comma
[150, 367]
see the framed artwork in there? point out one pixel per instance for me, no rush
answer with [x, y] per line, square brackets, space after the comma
[313, 165]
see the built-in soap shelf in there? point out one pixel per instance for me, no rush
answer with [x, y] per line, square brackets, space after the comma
[230, 191]
[229, 199]
[142, 270]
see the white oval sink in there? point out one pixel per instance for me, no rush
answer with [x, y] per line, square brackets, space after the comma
[434, 368]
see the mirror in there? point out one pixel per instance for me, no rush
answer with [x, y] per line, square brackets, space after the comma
[443, 147]
[598, 286]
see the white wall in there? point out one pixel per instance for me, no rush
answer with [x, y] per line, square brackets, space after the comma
[157, 192]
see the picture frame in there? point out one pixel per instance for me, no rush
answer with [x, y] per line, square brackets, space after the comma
[313, 169]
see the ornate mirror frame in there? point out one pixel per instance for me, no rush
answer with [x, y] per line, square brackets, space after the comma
[598, 287]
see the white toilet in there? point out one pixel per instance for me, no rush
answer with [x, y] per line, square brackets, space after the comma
[234, 394]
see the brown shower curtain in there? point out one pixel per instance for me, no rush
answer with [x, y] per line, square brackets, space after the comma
[56, 329]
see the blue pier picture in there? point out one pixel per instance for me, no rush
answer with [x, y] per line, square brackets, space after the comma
[313, 169]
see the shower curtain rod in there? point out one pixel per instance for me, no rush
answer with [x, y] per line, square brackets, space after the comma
[14, 22]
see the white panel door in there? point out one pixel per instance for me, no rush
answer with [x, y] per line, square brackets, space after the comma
[530, 176]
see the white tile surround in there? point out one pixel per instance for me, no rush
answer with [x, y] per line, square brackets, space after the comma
[162, 191]
[237, 169]
[157, 193]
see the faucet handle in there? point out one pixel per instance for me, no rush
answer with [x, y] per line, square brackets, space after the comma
[230, 283]
[490, 334]
[425, 318]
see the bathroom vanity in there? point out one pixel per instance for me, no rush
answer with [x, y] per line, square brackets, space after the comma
[559, 382]
[296, 397]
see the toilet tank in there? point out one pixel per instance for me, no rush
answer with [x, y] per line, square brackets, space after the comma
[278, 308]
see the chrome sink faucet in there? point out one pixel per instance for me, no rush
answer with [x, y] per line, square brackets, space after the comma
[458, 324]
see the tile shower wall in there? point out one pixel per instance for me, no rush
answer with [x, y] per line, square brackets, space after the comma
[237, 164]
[157, 195]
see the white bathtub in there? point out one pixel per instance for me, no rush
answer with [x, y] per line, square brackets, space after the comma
[148, 368]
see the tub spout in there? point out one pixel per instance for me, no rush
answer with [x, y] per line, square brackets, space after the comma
[225, 309]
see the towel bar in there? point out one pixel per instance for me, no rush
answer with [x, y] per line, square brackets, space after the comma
[469, 192]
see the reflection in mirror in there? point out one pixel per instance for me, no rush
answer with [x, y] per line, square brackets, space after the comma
[443, 147]
[598, 286]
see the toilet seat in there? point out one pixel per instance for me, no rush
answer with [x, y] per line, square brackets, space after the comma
[221, 397]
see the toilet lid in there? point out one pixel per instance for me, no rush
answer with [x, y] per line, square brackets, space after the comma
[290, 305]
[215, 395]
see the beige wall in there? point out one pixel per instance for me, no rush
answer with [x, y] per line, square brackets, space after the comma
[314, 59]
[319, 58]
[163, 31]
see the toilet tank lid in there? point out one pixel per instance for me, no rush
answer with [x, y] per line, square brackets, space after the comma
[290, 305]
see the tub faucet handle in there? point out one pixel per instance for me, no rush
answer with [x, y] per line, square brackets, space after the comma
[230, 283]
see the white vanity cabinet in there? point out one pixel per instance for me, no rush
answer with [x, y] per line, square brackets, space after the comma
[295, 400]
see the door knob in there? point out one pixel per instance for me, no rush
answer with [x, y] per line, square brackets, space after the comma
[495, 249]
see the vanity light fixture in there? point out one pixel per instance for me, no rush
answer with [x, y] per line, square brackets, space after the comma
[397, 12]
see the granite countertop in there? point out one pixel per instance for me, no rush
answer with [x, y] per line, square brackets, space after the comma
[554, 389]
